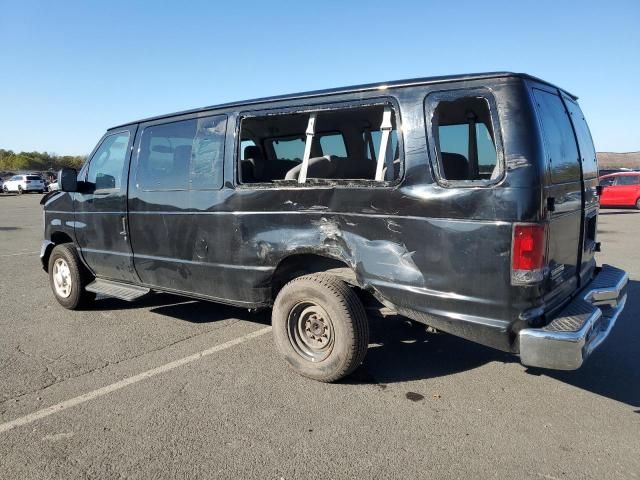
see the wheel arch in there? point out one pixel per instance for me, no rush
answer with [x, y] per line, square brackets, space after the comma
[299, 264]
[57, 238]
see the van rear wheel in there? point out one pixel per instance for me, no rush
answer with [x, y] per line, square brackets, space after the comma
[68, 277]
[320, 327]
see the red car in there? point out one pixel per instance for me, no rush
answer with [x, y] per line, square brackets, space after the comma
[620, 190]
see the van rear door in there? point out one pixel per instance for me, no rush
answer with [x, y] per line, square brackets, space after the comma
[589, 164]
[563, 195]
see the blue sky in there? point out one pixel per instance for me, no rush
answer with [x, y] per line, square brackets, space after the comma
[71, 69]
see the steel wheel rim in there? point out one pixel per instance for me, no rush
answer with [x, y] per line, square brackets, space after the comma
[311, 332]
[61, 275]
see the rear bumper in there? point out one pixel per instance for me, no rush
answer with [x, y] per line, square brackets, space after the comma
[580, 327]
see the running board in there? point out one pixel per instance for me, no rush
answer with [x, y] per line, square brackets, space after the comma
[123, 291]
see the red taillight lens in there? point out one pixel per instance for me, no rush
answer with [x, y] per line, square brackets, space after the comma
[528, 247]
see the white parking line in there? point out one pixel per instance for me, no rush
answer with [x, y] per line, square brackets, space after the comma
[72, 402]
[14, 254]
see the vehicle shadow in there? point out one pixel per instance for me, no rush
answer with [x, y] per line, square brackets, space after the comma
[197, 311]
[613, 370]
[182, 308]
[401, 350]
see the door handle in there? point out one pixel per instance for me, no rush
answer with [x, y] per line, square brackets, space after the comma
[124, 226]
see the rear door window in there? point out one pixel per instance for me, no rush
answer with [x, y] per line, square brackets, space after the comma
[560, 143]
[628, 180]
[585, 142]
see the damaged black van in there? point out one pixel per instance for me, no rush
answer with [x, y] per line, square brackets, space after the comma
[467, 203]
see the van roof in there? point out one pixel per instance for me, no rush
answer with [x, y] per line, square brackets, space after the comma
[353, 89]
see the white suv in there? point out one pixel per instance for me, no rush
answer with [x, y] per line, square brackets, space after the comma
[23, 184]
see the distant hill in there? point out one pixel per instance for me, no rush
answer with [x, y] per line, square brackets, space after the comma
[619, 160]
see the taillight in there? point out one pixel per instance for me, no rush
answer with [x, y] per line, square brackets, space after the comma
[528, 252]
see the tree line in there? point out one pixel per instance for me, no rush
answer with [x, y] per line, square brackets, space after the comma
[37, 161]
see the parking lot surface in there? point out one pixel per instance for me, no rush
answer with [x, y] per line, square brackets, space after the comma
[168, 387]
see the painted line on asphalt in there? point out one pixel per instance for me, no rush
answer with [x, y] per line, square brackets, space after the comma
[14, 254]
[72, 402]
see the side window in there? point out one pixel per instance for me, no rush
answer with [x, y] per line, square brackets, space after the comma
[107, 164]
[321, 146]
[608, 181]
[561, 149]
[182, 155]
[371, 141]
[333, 144]
[628, 180]
[464, 136]
[291, 149]
[243, 148]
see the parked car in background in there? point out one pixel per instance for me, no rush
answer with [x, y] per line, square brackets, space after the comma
[24, 184]
[620, 190]
[53, 186]
[609, 171]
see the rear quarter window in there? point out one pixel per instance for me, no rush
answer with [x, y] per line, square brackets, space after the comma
[464, 134]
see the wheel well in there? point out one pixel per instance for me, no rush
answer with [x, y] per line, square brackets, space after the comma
[57, 238]
[302, 264]
[60, 237]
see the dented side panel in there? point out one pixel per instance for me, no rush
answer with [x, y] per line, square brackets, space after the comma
[439, 254]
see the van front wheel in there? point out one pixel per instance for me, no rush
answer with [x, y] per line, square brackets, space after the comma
[68, 277]
[320, 327]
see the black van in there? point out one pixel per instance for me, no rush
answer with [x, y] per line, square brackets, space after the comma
[468, 203]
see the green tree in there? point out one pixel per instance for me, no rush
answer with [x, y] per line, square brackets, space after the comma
[37, 161]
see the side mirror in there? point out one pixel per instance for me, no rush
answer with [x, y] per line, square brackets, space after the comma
[68, 180]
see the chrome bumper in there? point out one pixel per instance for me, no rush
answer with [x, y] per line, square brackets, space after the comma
[567, 341]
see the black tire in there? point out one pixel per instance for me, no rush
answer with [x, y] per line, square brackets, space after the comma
[305, 301]
[19, 190]
[79, 277]
[5, 189]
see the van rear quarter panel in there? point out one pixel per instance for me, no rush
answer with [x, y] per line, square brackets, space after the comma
[440, 254]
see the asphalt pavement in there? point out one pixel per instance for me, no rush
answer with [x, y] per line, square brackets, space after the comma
[168, 387]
